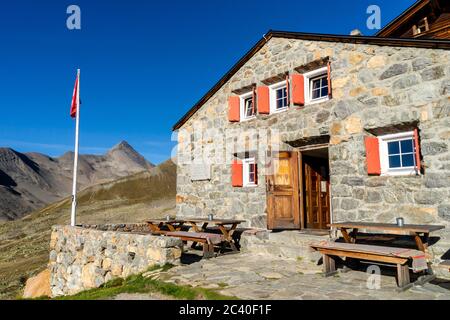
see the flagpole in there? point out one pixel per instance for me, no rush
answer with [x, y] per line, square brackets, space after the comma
[75, 161]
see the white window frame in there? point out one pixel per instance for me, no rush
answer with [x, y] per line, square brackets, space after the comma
[273, 96]
[244, 97]
[308, 89]
[246, 172]
[384, 155]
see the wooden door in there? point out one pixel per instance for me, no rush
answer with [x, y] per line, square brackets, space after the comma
[317, 193]
[283, 192]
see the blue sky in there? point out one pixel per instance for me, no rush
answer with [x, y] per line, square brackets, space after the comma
[143, 63]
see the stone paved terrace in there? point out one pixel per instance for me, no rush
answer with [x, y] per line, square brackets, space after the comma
[251, 276]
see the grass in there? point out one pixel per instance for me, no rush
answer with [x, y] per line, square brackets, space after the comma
[137, 188]
[140, 284]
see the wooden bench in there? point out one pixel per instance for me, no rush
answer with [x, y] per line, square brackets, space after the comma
[445, 264]
[379, 254]
[208, 240]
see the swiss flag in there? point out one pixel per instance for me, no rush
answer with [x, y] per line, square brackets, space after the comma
[74, 107]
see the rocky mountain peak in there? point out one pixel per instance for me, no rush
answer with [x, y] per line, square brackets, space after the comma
[31, 180]
[125, 155]
[122, 145]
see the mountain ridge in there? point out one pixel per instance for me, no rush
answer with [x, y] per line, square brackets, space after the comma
[29, 181]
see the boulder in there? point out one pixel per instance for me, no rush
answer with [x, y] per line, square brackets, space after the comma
[38, 286]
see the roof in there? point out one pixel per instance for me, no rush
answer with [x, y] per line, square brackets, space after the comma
[437, 13]
[419, 4]
[396, 42]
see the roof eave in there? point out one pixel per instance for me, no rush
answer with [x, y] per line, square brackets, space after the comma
[415, 6]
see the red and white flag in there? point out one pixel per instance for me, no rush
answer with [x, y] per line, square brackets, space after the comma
[75, 101]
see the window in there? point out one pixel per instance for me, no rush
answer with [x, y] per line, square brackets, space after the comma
[278, 97]
[248, 107]
[401, 154]
[249, 172]
[319, 87]
[281, 98]
[316, 85]
[247, 110]
[398, 154]
[421, 27]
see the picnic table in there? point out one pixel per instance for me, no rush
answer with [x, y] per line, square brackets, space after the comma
[157, 226]
[226, 227]
[173, 227]
[420, 232]
[351, 250]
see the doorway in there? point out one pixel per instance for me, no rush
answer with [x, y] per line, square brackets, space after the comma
[298, 190]
[315, 190]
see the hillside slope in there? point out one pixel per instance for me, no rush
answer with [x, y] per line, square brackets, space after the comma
[24, 242]
[29, 181]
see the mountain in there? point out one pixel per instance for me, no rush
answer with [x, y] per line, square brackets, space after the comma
[29, 181]
[24, 242]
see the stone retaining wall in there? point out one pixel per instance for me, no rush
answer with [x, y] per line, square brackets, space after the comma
[120, 227]
[86, 257]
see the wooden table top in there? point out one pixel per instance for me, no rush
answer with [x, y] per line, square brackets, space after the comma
[213, 221]
[173, 220]
[425, 228]
[196, 220]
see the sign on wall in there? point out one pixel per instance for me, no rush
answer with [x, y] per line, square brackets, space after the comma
[200, 171]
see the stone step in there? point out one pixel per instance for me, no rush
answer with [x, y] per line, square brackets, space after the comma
[286, 244]
[289, 238]
[285, 252]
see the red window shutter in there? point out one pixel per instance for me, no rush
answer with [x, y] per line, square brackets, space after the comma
[234, 108]
[256, 173]
[372, 155]
[237, 173]
[263, 99]
[298, 89]
[417, 150]
[329, 79]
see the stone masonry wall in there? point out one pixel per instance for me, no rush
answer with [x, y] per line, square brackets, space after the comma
[85, 258]
[374, 87]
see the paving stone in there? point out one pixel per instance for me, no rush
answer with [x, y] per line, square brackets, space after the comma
[257, 277]
[271, 275]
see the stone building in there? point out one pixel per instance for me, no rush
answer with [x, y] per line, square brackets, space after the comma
[307, 129]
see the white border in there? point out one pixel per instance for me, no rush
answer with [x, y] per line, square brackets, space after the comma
[310, 75]
[384, 158]
[272, 94]
[245, 172]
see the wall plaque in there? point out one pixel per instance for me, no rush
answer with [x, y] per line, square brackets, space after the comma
[200, 171]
